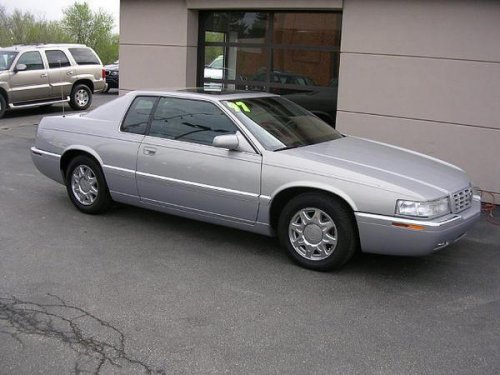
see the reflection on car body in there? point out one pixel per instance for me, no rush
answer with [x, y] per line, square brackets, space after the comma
[258, 162]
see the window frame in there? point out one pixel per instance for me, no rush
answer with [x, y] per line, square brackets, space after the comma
[214, 103]
[146, 130]
[57, 50]
[268, 46]
[29, 70]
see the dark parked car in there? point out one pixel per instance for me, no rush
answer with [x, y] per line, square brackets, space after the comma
[112, 75]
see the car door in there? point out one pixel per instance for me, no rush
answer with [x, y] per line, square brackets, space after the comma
[177, 165]
[31, 84]
[60, 73]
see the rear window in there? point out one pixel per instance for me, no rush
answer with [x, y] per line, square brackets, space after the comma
[57, 59]
[84, 56]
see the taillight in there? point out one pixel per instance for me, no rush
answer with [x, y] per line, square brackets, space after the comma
[104, 73]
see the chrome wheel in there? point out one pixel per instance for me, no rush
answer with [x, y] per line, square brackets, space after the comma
[84, 185]
[313, 234]
[82, 97]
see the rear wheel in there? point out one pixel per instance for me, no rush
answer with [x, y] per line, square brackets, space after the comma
[317, 231]
[86, 186]
[80, 98]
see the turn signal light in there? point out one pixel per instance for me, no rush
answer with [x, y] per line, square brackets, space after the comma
[408, 226]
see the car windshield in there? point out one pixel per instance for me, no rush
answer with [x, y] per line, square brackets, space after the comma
[279, 124]
[6, 59]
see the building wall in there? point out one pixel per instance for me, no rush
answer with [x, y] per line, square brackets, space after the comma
[425, 75]
[420, 74]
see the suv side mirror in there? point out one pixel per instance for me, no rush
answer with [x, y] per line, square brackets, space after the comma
[229, 141]
[20, 68]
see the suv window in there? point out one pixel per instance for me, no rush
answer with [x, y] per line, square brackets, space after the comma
[189, 120]
[32, 60]
[57, 59]
[84, 56]
[137, 117]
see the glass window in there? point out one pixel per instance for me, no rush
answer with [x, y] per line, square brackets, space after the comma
[33, 60]
[189, 120]
[307, 28]
[137, 117]
[57, 59]
[280, 124]
[296, 53]
[6, 58]
[84, 56]
[237, 27]
[304, 67]
[237, 63]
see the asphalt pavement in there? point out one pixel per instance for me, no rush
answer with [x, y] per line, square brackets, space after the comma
[139, 292]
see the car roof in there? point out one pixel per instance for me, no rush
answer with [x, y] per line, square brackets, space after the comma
[22, 47]
[202, 93]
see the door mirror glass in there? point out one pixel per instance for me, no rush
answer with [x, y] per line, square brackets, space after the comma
[21, 67]
[229, 141]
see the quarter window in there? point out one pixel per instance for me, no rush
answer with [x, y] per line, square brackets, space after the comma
[137, 117]
[32, 60]
[84, 56]
[57, 59]
[189, 120]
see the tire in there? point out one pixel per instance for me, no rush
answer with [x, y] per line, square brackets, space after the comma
[80, 98]
[3, 105]
[318, 232]
[86, 186]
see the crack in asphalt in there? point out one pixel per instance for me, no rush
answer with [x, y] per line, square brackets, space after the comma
[64, 322]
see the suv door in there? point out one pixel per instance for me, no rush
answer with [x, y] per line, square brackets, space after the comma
[60, 73]
[178, 167]
[31, 84]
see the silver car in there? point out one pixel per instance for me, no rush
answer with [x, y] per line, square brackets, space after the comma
[261, 163]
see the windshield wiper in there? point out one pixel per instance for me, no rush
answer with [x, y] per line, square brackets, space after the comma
[287, 147]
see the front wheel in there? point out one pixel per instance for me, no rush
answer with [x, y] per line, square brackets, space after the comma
[80, 98]
[3, 105]
[317, 231]
[86, 186]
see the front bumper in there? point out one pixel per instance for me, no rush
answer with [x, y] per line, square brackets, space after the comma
[397, 236]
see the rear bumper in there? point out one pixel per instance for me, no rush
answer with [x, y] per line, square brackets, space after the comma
[48, 164]
[386, 234]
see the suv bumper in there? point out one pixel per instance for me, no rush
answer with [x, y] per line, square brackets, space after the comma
[398, 236]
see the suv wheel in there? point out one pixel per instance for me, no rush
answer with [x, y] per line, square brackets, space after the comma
[81, 97]
[3, 105]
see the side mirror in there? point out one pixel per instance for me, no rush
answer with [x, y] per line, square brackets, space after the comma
[20, 68]
[229, 141]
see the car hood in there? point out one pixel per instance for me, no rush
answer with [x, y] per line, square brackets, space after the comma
[378, 164]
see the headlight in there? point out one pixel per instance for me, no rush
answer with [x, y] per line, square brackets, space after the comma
[429, 209]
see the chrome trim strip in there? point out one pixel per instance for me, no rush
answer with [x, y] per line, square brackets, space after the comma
[407, 221]
[13, 106]
[190, 183]
[119, 169]
[39, 152]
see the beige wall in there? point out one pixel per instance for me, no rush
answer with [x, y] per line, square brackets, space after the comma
[421, 74]
[158, 44]
[425, 75]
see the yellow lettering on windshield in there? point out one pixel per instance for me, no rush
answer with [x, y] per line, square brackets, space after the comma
[243, 106]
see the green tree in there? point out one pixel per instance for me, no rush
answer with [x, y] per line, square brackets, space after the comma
[93, 29]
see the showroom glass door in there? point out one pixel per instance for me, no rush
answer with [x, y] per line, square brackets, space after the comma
[295, 54]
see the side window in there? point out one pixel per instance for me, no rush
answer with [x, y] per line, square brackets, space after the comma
[190, 121]
[57, 59]
[137, 117]
[84, 56]
[33, 60]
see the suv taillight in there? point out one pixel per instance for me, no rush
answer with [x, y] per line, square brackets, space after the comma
[104, 73]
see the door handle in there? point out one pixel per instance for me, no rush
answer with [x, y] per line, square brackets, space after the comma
[149, 151]
[69, 73]
[43, 75]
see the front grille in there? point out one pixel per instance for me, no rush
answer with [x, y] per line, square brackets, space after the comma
[461, 200]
